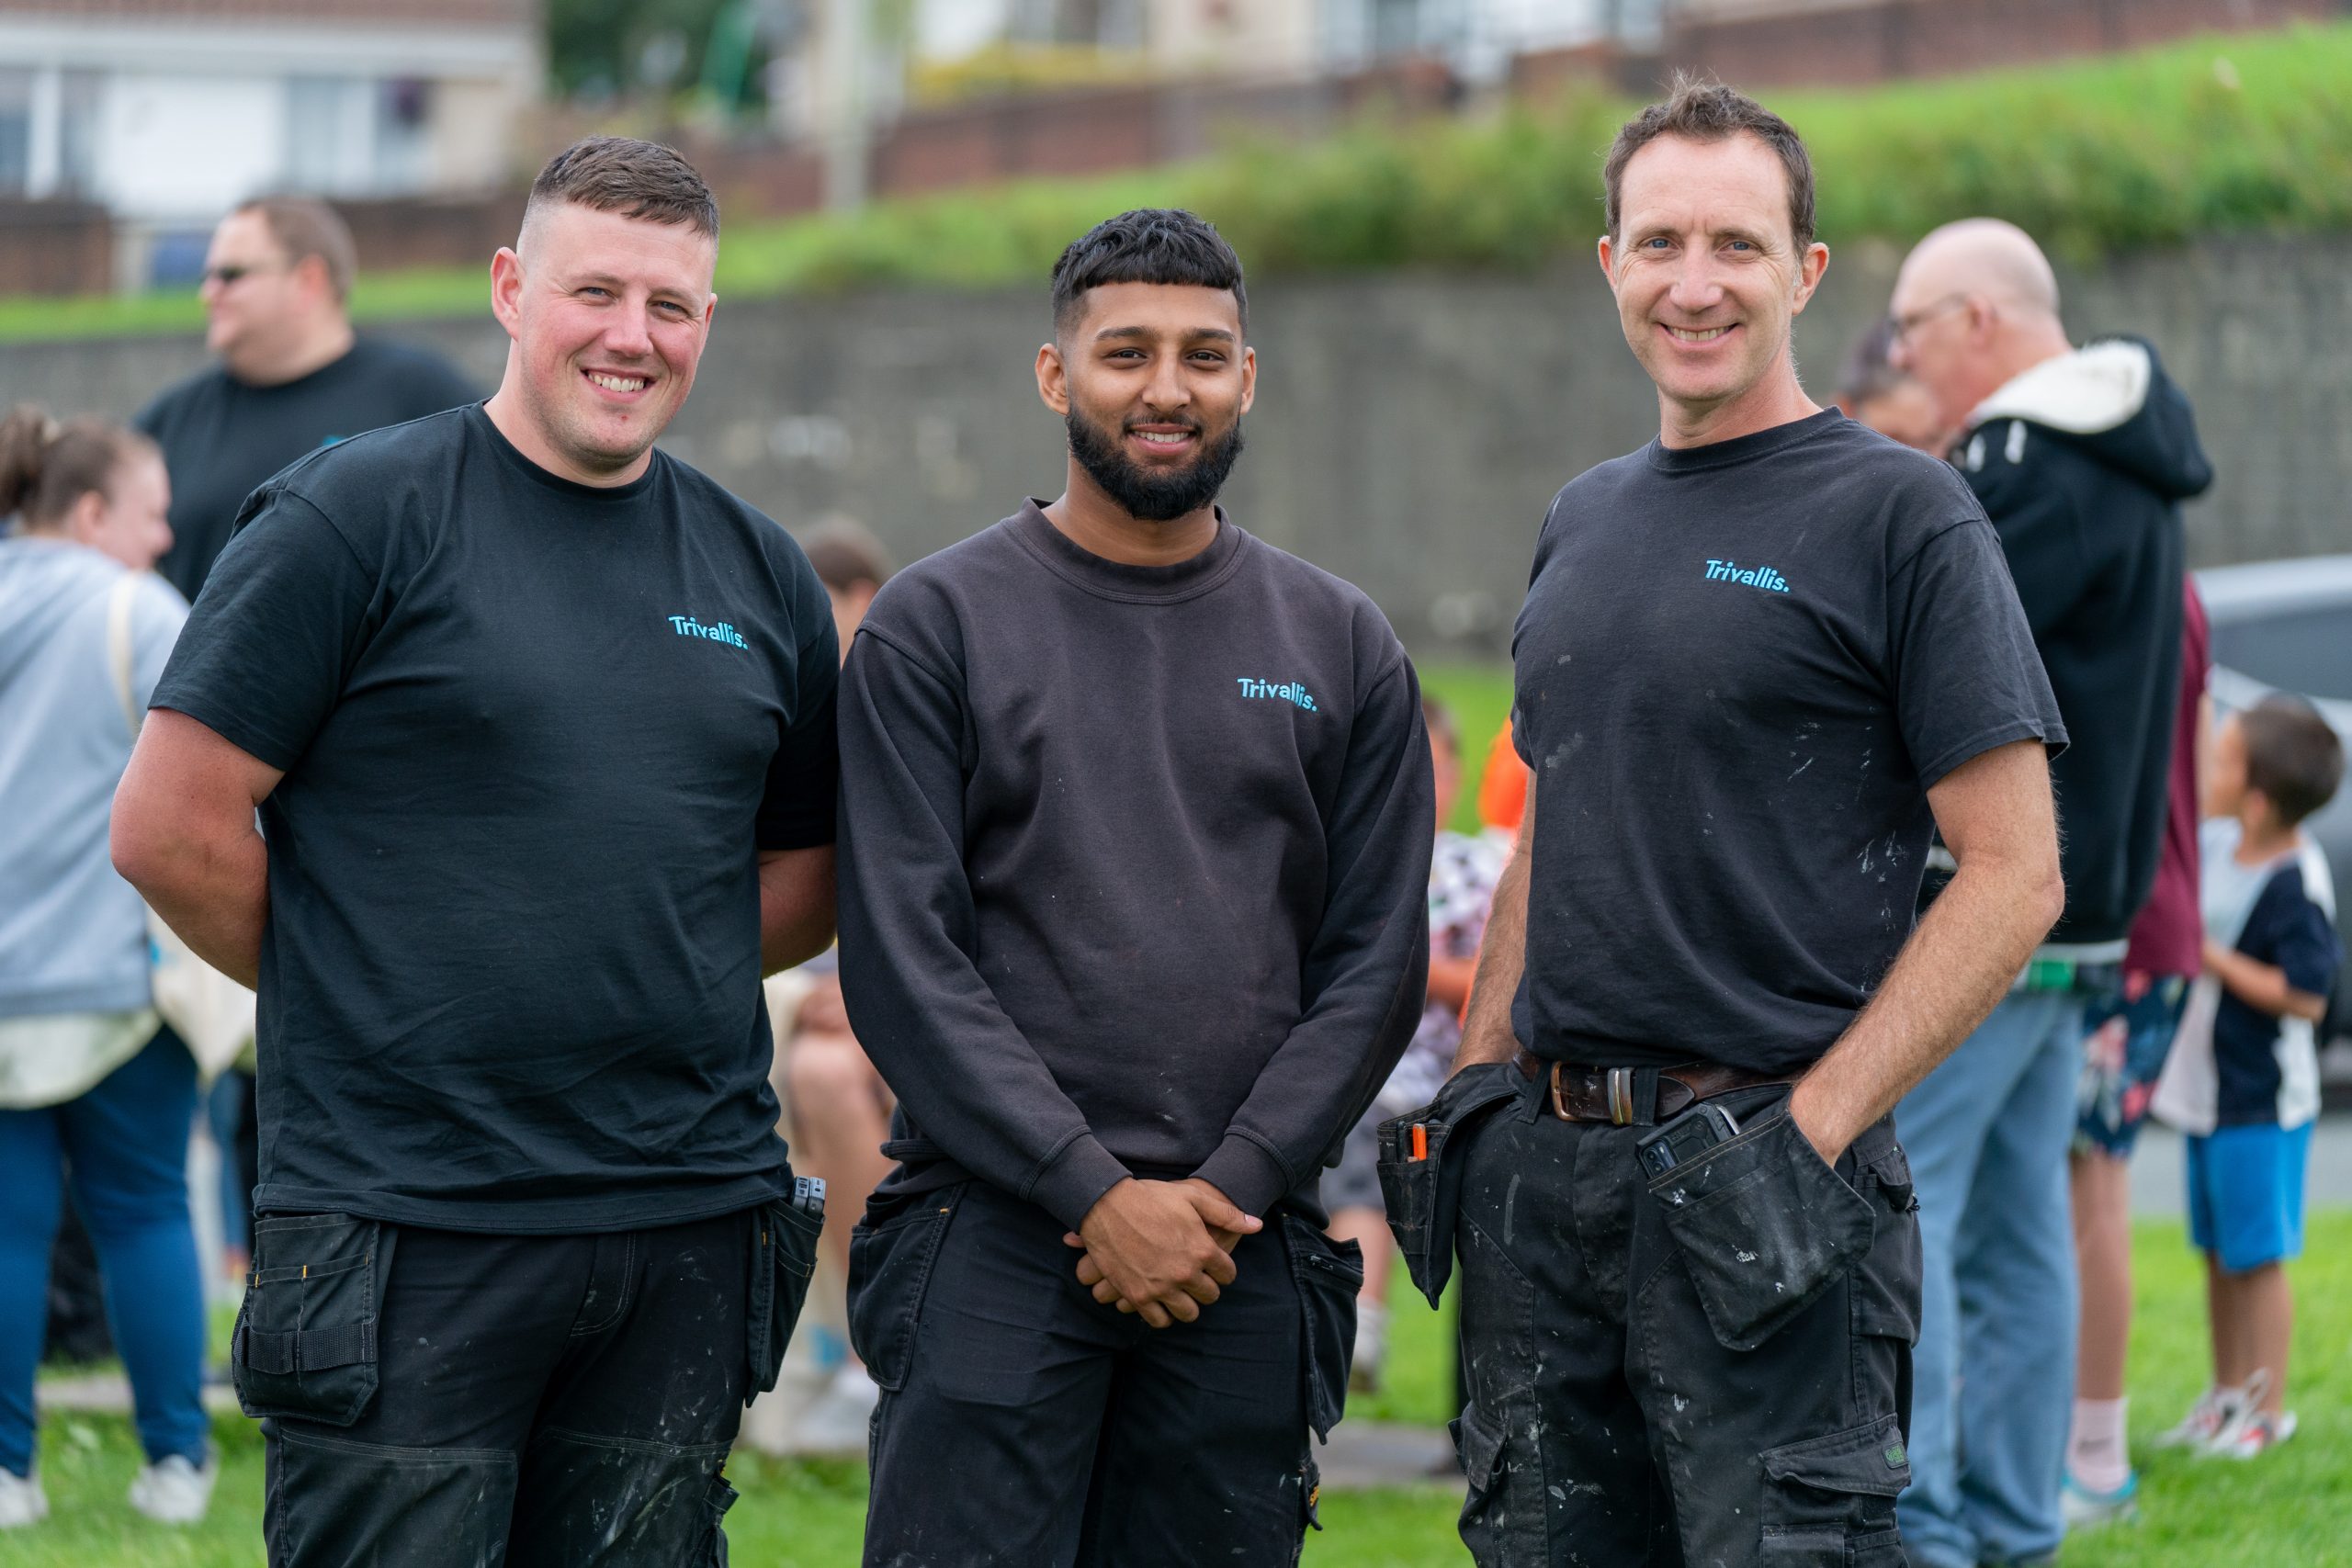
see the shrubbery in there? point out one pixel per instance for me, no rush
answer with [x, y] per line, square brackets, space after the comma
[2244, 134]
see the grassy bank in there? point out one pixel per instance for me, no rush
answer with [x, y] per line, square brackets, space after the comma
[2244, 134]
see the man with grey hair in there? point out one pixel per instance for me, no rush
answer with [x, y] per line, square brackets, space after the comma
[2081, 456]
[1759, 659]
[540, 722]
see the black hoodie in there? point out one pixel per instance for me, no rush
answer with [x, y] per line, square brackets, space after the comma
[2081, 463]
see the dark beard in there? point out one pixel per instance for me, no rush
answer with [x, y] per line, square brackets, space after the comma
[1152, 497]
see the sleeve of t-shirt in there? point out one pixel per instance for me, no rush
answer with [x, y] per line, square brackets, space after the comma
[157, 613]
[1965, 674]
[1366, 970]
[796, 811]
[272, 639]
[2287, 929]
[962, 1071]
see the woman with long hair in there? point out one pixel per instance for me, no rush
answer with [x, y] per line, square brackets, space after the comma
[88, 1091]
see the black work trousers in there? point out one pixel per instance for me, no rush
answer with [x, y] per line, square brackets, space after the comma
[1023, 1424]
[438, 1399]
[1712, 1369]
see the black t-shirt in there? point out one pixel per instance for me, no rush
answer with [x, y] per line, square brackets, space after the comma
[1739, 668]
[221, 438]
[533, 734]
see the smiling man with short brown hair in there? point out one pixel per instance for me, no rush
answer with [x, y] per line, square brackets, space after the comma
[1760, 660]
[540, 722]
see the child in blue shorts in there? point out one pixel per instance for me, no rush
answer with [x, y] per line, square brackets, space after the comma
[2245, 1081]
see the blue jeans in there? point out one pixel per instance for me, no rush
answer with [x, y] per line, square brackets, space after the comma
[125, 1142]
[1987, 1134]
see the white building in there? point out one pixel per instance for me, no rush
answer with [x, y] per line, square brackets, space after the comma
[169, 111]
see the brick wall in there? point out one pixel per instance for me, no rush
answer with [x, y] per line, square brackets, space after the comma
[54, 247]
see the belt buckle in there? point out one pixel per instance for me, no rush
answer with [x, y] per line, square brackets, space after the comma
[1559, 1100]
[1621, 1096]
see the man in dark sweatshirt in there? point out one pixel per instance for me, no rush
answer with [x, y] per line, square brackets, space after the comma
[2081, 458]
[1134, 922]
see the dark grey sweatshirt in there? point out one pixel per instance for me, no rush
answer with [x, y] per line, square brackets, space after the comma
[1135, 864]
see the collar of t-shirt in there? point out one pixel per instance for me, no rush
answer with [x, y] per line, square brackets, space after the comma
[1113, 579]
[510, 457]
[1740, 448]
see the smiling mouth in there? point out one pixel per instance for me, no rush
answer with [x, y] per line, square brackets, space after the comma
[1696, 335]
[612, 383]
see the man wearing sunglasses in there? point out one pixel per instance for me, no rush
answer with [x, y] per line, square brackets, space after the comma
[291, 377]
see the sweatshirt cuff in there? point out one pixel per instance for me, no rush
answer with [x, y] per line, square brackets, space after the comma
[1076, 1177]
[1247, 1173]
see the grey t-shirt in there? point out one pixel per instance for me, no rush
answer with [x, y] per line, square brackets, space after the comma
[1739, 670]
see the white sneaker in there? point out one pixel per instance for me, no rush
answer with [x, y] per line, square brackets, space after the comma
[21, 1500]
[2080, 1508]
[2214, 1409]
[2252, 1435]
[173, 1492]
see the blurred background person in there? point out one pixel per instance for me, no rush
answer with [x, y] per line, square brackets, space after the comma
[291, 377]
[1873, 392]
[2081, 458]
[837, 1106]
[2127, 1033]
[1463, 869]
[90, 1090]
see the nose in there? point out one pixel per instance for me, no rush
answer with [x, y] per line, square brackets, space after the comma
[629, 333]
[1167, 389]
[1696, 288]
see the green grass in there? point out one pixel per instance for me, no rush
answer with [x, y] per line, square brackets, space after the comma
[2247, 134]
[2286, 1509]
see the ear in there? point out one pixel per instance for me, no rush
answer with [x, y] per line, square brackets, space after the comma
[1608, 257]
[1811, 267]
[312, 272]
[1248, 379]
[86, 519]
[1053, 377]
[506, 289]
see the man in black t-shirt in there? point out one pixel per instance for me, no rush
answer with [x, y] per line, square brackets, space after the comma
[1759, 659]
[292, 378]
[1134, 921]
[540, 722]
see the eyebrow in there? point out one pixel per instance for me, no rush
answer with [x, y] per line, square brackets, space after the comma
[1194, 334]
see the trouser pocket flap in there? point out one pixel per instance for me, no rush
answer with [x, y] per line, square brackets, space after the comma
[1420, 1183]
[1832, 1499]
[1764, 1228]
[1328, 1275]
[890, 1255]
[304, 1345]
[784, 1256]
[1478, 1443]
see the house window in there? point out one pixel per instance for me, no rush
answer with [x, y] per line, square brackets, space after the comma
[15, 130]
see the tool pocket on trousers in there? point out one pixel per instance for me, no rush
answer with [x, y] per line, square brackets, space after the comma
[716, 1501]
[784, 1258]
[304, 1345]
[1886, 1280]
[890, 1255]
[1328, 1274]
[1502, 1515]
[1422, 1182]
[1764, 1228]
[1830, 1501]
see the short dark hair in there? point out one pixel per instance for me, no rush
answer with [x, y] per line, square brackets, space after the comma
[1150, 244]
[845, 553]
[1870, 368]
[1700, 110]
[2292, 755]
[633, 178]
[303, 229]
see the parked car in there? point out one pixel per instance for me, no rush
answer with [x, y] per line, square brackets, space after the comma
[2286, 625]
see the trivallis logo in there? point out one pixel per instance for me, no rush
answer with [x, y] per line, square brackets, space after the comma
[686, 625]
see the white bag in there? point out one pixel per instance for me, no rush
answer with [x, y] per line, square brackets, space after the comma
[209, 1011]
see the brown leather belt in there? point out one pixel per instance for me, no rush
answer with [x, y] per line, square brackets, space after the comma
[1615, 1094]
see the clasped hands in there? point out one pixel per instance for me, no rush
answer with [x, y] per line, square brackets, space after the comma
[1162, 1249]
